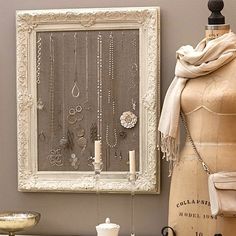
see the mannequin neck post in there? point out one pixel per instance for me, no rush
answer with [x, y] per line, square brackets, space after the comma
[215, 31]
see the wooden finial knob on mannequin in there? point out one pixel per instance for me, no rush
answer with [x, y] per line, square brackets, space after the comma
[216, 21]
[216, 18]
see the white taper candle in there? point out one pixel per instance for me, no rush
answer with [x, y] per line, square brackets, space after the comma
[132, 162]
[98, 151]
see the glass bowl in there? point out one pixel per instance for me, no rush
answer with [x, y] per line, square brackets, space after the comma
[12, 222]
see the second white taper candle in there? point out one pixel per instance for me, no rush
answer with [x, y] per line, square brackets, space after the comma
[132, 169]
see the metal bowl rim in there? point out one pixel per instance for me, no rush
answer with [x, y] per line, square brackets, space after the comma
[29, 214]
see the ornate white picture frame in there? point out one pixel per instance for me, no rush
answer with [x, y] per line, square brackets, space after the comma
[28, 24]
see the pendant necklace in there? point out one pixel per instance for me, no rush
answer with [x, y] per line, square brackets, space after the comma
[55, 155]
[40, 105]
[111, 96]
[74, 113]
[75, 89]
[80, 131]
[128, 119]
[64, 139]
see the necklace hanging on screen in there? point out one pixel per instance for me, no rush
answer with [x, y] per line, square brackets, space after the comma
[75, 92]
[55, 156]
[38, 58]
[64, 139]
[134, 71]
[99, 86]
[128, 119]
[111, 96]
[86, 104]
[75, 113]
[40, 104]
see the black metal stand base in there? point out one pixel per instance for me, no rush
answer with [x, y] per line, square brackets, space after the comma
[164, 231]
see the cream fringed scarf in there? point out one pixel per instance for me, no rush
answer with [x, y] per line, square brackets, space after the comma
[191, 63]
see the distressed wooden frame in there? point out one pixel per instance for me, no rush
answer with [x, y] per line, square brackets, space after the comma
[147, 20]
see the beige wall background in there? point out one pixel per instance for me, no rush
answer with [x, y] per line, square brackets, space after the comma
[182, 22]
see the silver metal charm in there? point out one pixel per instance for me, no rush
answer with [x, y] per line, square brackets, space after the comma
[40, 104]
[64, 142]
[82, 143]
[74, 161]
[41, 136]
[80, 132]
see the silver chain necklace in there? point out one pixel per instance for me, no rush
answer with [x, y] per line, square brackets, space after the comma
[86, 104]
[55, 155]
[40, 104]
[64, 139]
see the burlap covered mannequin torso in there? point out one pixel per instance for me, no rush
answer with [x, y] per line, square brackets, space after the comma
[209, 104]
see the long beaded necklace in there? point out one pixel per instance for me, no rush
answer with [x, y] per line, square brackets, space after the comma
[134, 68]
[64, 139]
[86, 104]
[134, 82]
[99, 86]
[55, 155]
[111, 96]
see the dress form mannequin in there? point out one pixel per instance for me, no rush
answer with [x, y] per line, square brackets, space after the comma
[209, 104]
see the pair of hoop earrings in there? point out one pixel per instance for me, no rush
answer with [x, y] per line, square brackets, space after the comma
[72, 118]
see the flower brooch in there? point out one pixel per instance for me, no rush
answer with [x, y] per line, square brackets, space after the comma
[128, 119]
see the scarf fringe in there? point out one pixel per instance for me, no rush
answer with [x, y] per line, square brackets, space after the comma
[169, 146]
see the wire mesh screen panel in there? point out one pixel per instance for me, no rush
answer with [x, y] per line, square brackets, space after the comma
[87, 90]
